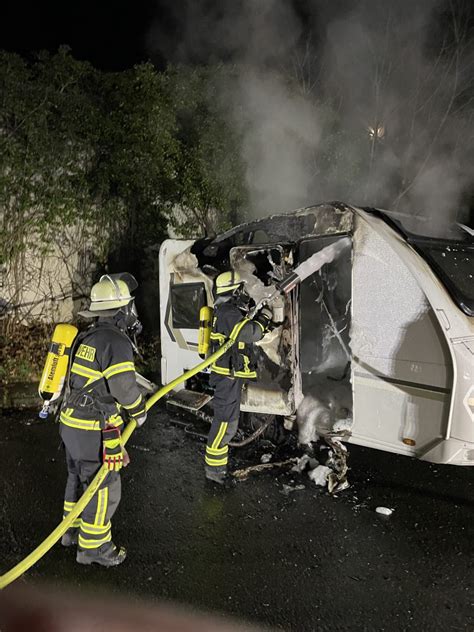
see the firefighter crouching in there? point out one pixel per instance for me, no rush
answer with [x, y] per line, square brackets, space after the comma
[101, 384]
[231, 369]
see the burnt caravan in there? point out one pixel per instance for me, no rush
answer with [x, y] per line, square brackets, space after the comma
[377, 347]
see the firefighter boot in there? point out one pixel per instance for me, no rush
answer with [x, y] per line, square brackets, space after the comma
[216, 475]
[219, 476]
[106, 555]
[70, 537]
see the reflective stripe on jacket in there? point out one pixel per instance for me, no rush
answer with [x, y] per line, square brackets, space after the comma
[102, 380]
[228, 323]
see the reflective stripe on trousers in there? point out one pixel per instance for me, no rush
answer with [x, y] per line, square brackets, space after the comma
[68, 507]
[95, 521]
[216, 452]
[226, 404]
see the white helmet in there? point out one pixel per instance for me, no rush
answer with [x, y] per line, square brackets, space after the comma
[110, 293]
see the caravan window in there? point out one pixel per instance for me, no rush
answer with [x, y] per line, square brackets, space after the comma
[186, 301]
[453, 262]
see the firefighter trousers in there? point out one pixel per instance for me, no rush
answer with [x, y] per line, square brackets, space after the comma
[227, 394]
[84, 459]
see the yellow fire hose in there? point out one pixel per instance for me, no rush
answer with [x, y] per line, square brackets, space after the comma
[81, 504]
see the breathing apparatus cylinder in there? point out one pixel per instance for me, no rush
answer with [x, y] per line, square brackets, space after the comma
[55, 369]
[205, 326]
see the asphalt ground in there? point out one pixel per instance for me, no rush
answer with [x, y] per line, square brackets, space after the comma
[262, 552]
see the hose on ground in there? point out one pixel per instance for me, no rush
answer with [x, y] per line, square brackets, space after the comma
[253, 436]
[233, 444]
[86, 497]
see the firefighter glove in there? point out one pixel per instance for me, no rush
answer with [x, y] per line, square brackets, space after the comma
[264, 317]
[112, 449]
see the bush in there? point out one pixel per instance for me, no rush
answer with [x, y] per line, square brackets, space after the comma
[23, 350]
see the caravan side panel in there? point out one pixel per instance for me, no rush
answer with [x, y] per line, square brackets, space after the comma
[402, 371]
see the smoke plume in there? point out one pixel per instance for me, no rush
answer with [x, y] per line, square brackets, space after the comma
[368, 102]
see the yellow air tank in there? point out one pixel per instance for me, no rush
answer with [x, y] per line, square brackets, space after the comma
[205, 326]
[56, 365]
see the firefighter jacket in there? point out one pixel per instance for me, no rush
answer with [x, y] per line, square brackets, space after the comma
[228, 322]
[101, 380]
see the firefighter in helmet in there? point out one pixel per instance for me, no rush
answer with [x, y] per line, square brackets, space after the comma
[230, 370]
[101, 389]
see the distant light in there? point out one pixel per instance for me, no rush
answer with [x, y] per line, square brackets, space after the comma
[377, 131]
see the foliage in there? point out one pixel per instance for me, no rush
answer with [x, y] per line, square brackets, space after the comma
[112, 150]
[22, 351]
[149, 361]
[135, 158]
[108, 161]
[209, 179]
[45, 125]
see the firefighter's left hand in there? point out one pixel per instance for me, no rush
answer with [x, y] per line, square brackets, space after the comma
[112, 451]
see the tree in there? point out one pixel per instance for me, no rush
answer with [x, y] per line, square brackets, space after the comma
[134, 163]
[46, 143]
[95, 165]
[209, 181]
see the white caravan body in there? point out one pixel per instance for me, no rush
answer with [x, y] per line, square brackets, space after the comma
[383, 323]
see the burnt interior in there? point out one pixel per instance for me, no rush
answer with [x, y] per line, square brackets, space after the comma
[269, 266]
[325, 320]
[286, 228]
[324, 309]
[325, 313]
[263, 268]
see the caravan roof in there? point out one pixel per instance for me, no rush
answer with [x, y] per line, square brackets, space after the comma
[447, 248]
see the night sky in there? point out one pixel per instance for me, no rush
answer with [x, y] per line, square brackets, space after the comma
[111, 35]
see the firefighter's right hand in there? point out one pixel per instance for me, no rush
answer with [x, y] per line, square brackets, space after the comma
[264, 317]
[112, 451]
[267, 313]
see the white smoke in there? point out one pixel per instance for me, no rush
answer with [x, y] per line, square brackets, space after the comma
[281, 134]
[403, 68]
[366, 102]
[326, 407]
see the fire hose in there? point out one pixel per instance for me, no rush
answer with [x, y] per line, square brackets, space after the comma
[232, 444]
[257, 433]
[301, 272]
[81, 504]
